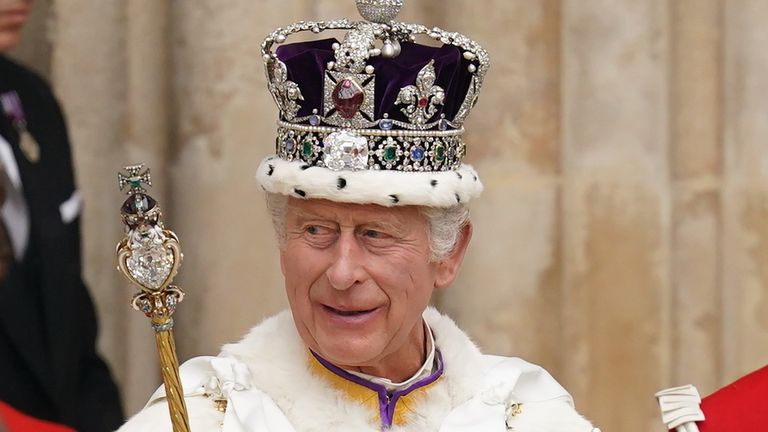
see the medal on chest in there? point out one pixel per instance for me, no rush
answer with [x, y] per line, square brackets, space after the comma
[29, 147]
[13, 110]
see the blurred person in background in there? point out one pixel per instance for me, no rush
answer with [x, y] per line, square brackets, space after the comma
[12, 420]
[49, 367]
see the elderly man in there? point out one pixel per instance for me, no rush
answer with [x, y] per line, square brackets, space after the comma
[368, 196]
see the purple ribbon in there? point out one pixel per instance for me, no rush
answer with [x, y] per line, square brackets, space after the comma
[387, 401]
[13, 110]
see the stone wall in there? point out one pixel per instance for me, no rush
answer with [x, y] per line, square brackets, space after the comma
[622, 237]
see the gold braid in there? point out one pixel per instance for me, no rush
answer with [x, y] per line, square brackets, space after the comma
[170, 372]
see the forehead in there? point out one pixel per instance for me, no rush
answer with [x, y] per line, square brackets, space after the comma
[352, 213]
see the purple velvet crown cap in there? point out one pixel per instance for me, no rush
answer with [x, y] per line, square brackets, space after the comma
[306, 63]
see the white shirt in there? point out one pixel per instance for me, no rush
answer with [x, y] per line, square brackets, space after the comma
[14, 211]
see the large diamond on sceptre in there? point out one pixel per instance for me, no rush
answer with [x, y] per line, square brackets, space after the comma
[149, 256]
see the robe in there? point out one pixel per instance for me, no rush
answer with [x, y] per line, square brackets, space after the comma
[270, 382]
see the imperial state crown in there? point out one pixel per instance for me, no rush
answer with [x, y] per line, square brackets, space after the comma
[374, 117]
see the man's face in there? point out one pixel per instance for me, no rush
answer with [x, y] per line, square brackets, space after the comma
[13, 15]
[358, 277]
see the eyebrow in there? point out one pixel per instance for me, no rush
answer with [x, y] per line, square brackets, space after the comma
[301, 215]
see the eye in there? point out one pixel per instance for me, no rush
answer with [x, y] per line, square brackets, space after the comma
[373, 234]
[317, 230]
[375, 237]
[312, 229]
[318, 235]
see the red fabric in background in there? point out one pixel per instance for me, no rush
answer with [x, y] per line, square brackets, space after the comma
[15, 421]
[738, 407]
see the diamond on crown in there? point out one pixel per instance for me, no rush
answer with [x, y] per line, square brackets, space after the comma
[345, 150]
[380, 11]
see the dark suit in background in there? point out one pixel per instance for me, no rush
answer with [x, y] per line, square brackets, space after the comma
[49, 367]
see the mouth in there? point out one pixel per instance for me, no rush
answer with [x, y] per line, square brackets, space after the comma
[348, 312]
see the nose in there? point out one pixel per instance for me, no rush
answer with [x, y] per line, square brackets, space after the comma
[347, 268]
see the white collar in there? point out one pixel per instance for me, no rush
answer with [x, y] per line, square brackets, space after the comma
[14, 212]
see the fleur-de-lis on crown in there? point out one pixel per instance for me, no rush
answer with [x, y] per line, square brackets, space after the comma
[285, 92]
[422, 99]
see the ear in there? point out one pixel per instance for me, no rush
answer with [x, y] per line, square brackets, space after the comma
[448, 268]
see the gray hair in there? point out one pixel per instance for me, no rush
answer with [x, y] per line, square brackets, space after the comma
[445, 224]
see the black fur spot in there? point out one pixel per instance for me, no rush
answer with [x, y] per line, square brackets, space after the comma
[458, 199]
[458, 174]
[271, 169]
[299, 192]
[341, 183]
[394, 199]
[433, 183]
[304, 167]
[475, 177]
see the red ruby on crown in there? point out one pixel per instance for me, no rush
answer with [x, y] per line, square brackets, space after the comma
[348, 97]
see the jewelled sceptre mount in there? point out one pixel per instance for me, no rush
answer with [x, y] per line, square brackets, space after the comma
[149, 256]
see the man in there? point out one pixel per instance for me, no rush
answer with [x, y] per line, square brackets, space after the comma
[49, 367]
[368, 196]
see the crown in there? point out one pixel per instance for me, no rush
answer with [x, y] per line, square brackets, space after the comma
[374, 101]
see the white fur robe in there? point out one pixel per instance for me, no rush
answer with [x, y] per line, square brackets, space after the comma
[269, 388]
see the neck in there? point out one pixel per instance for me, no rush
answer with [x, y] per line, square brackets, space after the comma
[402, 364]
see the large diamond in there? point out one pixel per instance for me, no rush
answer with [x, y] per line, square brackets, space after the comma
[348, 97]
[151, 261]
[345, 151]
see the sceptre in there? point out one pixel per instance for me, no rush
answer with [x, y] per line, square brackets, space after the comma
[149, 256]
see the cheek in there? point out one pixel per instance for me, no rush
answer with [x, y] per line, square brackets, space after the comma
[301, 267]
[408, 281]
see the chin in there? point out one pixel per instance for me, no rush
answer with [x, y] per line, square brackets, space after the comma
[349, 352]
[8, 42]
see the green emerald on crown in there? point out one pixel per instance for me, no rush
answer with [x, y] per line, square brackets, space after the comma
[307, 148]
[390, 153]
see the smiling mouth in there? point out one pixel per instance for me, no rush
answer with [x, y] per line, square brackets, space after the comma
[348, 313]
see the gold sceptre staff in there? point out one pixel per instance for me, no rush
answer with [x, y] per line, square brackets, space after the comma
[149, 256]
